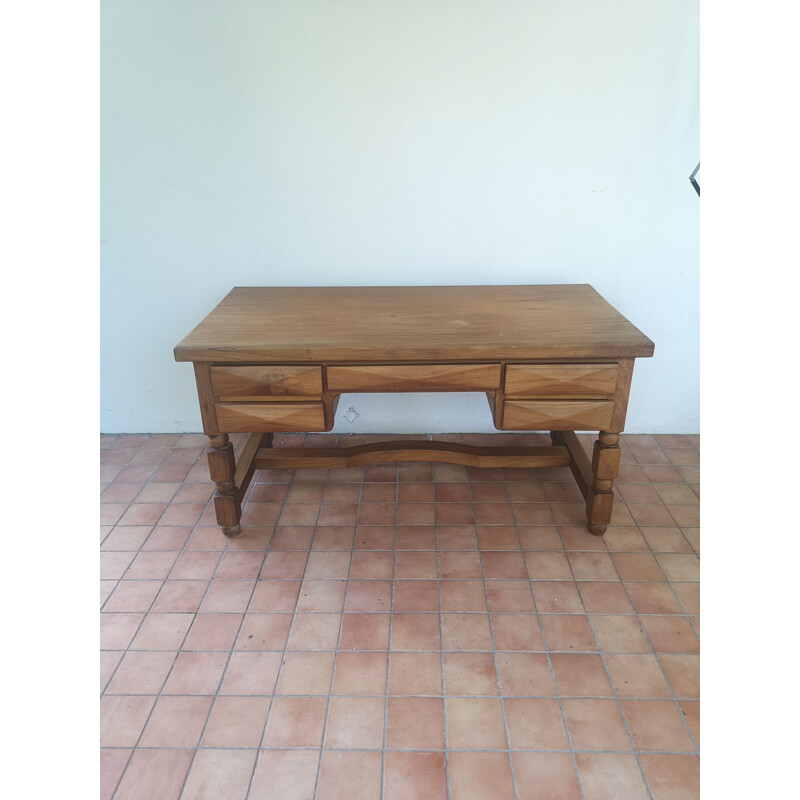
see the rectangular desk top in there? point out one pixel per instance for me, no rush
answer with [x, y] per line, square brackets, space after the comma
[415, 324]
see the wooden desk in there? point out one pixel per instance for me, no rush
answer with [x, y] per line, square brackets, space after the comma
[549, 358]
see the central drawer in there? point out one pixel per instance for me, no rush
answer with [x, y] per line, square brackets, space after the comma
[415, 378]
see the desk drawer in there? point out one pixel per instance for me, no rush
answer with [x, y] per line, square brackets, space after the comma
[415, 378]
[557, 415]
[561, 380]
[240, 382]
[257, 417]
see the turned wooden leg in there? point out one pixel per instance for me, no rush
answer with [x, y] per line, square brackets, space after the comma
[556, 438]
[222, 468]
[600, 497]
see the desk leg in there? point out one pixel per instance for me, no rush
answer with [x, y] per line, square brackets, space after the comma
[600, 499]
[222, 468]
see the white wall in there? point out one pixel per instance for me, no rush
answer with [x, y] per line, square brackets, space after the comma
[263, 142]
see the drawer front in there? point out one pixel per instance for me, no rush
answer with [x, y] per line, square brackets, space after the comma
[561, 380]
[257, 417]
[415, 378]
[557, 415]
[230, 382]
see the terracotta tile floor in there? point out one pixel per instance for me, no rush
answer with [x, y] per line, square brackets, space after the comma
[414, 631]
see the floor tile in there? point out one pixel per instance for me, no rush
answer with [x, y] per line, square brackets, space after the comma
[415, 723]
[415, 776]
[535, 723]
[608, 776]
[141, 673]
[322, 595]
[618, 633]
[567, 633]
[133, 596]
[509, 597]
[546, 565]
[516, 632]
[474, 776]
[470, 674]
[415, 632]
[112, 765]
[180, 596]
[122, 719]
[349, 775]
[364, 632]
[360, 673]
[219, 773]
[683, 673]
[154, 773]
[672, 777]
[580, 675]
[305, 673]
[474, 723]
[636, 675]
[309, 632]
[355, 723]
[368, 596]
[671, 635]
[269, 631]
[284, 775]
[604, 597]
[524, 674]
[545, 776]
[236, 722]
[213, 632]
[176, 722]
[557, 597]
[295, 722]
[196, 673]
[251, 673]
[459, 565]
[415, 674]
[117, 630]
[466, 632]
[595, 724]
[656, 725]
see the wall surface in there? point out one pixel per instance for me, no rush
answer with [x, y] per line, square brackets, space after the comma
[347, 142]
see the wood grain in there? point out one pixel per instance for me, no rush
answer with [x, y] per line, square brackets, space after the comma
[561, 380]
[419, 324]
[264, 417]
[266, 380]
[415, 378]
[557, 415]
[412, 451]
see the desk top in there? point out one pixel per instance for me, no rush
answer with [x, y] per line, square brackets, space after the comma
[415, 324]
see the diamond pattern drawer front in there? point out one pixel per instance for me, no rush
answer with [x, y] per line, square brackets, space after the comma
[415, 378]
[247, 417]
[561, 380]
[557, 415]
[235, 382]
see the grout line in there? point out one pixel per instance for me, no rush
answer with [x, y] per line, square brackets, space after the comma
[227, 549]
[611, 683]
[547, 653]
[389, 642]
[158, 695]
[321, 748]
[647, 637]
[491, 637]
